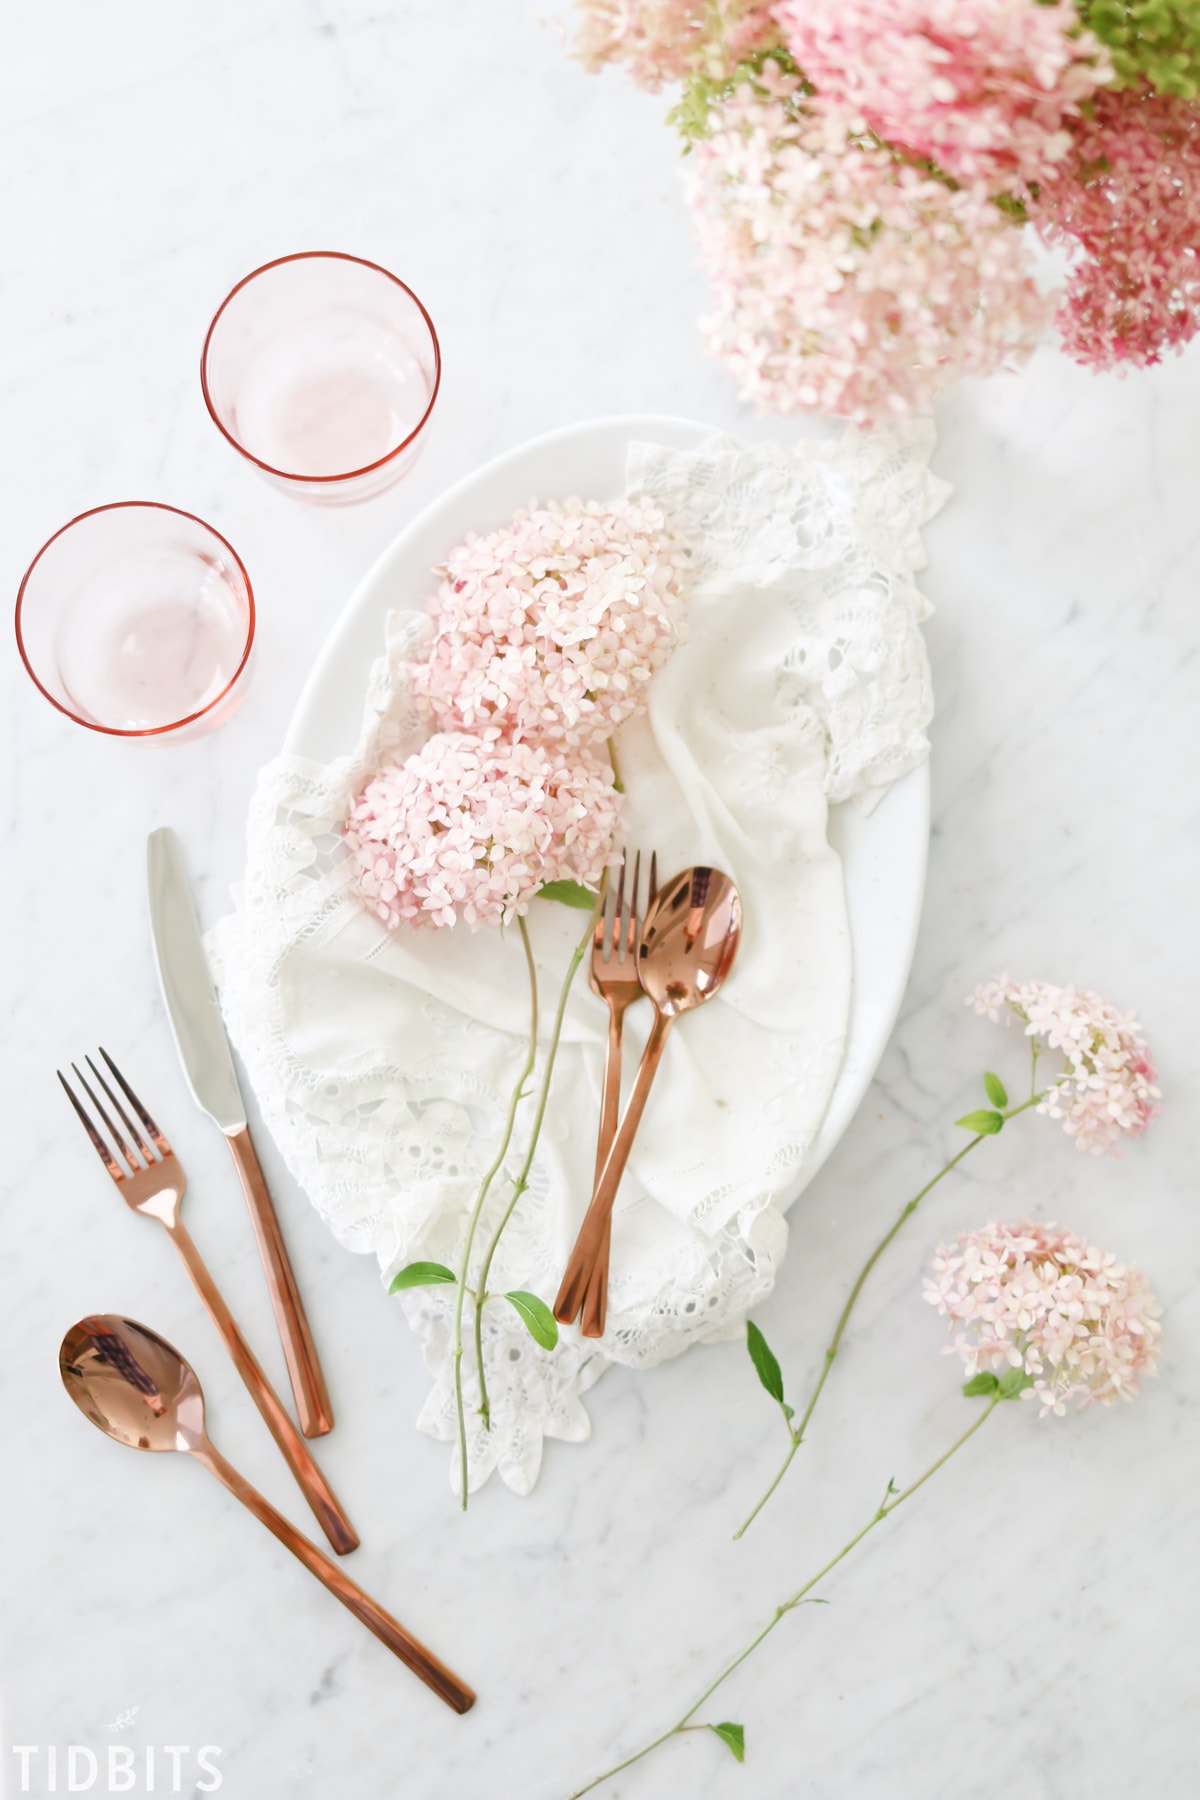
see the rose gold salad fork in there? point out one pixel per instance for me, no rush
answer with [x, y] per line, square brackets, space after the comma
[154, 1184]
[614, 977]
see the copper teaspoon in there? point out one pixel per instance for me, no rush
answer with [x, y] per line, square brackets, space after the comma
[137, 1388]
[688, 943]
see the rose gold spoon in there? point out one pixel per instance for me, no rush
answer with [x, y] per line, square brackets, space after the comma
[137, 1388]
[688, 943]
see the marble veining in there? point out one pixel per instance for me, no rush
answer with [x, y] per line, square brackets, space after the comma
[1027, 1625]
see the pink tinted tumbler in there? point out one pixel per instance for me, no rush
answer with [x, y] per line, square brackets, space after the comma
[322, 370]
[137, 620]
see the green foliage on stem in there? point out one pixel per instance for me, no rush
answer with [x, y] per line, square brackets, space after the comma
[569, 893]
[764, 1360]
[984, 1124]
[536, 1316]
[421, 1274]
[734, 1736]
[1009, 1386]
[997, 1093]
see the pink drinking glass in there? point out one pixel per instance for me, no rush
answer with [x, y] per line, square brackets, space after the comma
[322, 370]
[137, 620]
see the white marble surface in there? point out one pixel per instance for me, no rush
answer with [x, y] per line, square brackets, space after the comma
[1027, 1625]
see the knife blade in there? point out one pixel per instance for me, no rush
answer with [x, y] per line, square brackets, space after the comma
[187, 985]
[199, 1033]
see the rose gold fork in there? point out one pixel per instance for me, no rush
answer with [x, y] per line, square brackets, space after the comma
[154, 1185]
[614, 977]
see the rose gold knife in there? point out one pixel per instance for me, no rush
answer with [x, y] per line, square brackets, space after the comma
[203, 1047]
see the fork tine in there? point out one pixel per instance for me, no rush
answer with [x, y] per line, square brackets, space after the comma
[122, 1147]
[633, 923]
[124, 1117]
[98, 1144]
[155, 1134]
[653, 878]
[615, 935]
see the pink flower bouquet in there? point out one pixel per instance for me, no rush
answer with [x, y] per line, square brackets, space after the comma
[869, 179]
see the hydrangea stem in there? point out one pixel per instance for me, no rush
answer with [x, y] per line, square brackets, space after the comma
[477, 1211]
[891, 1500]
[796, 1432]
[522, 1180]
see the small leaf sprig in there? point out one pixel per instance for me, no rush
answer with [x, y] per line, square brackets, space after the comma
[1007, 1291]
[1105, 1091]
[734, 1735]
[533, 1312]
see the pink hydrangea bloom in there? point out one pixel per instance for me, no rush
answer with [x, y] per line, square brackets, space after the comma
[667, 40]
[1107, 1090]
[552, 626]
[845, 279]
[984, 88]
[474, 826]
[1081, 1325]
[1127, 204]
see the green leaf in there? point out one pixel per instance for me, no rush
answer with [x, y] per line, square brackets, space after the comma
[734, 1736]
[983, 1383]
[571, 893]
[1013, 1382]
[997, 1093]
[761, 1355]
[987, 1124]
[421, 1275]
[540, 1322]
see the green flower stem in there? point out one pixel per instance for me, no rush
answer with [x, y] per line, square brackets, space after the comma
[522, 1181]
[476, 1212]
[797, 1432]
[616, 767]
[888, 1505]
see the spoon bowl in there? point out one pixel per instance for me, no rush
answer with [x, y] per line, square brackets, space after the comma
[689, 940]
[132, 1384]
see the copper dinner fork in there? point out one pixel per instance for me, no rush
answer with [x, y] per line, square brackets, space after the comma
[613, 976]
[152, 1182]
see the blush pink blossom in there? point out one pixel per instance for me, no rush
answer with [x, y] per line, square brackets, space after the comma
[983, 88]
[474, 826]
[1108, 1089]
[667, 40]
[847, 279]
[551, 627]
[1079, 1324]
[1126, 204]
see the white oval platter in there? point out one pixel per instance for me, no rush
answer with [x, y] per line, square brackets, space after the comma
[883, 854]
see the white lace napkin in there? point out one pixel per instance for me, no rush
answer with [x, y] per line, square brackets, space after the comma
[383, 1061]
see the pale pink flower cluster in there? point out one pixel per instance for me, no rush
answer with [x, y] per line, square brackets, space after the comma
[667, 40]
[1081, 1325]
[551, 627]
[847, 279]
[1127, 203]
[475, 825]
[983, 88]
[1107, 1090]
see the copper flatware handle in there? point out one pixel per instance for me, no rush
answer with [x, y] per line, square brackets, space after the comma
[593, 1231]
[432, 1671]
[610, 1106]
[326, 1507]
[304, 1370]
[610, 1093]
